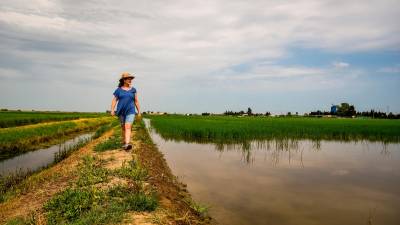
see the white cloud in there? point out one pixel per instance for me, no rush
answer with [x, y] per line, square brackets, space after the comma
[393, 69]
[168, 42]
[340, 65]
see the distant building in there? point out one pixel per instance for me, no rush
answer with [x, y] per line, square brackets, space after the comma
[334, 109]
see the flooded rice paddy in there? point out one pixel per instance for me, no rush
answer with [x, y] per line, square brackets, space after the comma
[290, 181]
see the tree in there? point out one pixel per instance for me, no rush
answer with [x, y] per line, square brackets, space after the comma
[346, 110]
[249, 112]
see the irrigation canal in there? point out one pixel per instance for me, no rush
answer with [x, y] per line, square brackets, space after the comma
[37, 159]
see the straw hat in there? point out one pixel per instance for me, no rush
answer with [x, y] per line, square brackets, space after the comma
[126, 75]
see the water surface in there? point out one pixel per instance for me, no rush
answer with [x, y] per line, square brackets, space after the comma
[37, 159]
[291, 182]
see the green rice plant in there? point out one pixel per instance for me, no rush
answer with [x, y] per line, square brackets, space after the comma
[132, 170]
[91, 172]
[16, 118]
[227, 129]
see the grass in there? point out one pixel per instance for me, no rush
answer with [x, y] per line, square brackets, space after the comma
[15, 118]
[21, 139]
[84, 203]
[226, 129]
[132, 170]
[12, 180]
[92, 172]
[114, 142]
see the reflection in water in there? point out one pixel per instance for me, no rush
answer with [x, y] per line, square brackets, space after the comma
[291, 181]
[34, 160]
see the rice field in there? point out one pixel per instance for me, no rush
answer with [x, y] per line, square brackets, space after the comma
[20, 118]
[237, 129]
[15, 140]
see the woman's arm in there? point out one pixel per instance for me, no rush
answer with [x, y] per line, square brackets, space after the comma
[137, 104]
[113, 103]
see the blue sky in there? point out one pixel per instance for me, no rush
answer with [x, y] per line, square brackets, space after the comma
[201, 56]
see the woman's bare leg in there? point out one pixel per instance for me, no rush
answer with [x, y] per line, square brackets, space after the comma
[128, 127]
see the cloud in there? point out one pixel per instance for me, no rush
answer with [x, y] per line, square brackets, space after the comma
[340, 65]
[171, 43]
[392, 69]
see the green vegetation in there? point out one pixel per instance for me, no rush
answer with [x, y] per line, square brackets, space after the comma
[114, 142]
[226, 129]
[102, 129]
[91, 172]
[21, 139]
[11, 181]
[19, 118]
[86, 203]
[132, 170]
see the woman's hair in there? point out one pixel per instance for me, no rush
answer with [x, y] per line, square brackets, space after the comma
[121, 83]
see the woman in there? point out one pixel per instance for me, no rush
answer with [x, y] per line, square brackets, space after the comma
[126, 97]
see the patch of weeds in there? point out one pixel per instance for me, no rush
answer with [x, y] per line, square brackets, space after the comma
[132, 170]
[70, 204]
[102, 129]
[91, 206]
[110, 213]
[11, 180]
[31, 219]
[114, 142]
[142, 135]
[141, 202]
[120, 191]
[17, 221]
[91, 172]
[136, 201]
[200, 209]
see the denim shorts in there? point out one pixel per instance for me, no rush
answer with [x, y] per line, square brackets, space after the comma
[127, 118]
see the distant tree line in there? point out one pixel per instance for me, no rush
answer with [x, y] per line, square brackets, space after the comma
[380, 115]
[347, 110]
[248, 113]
